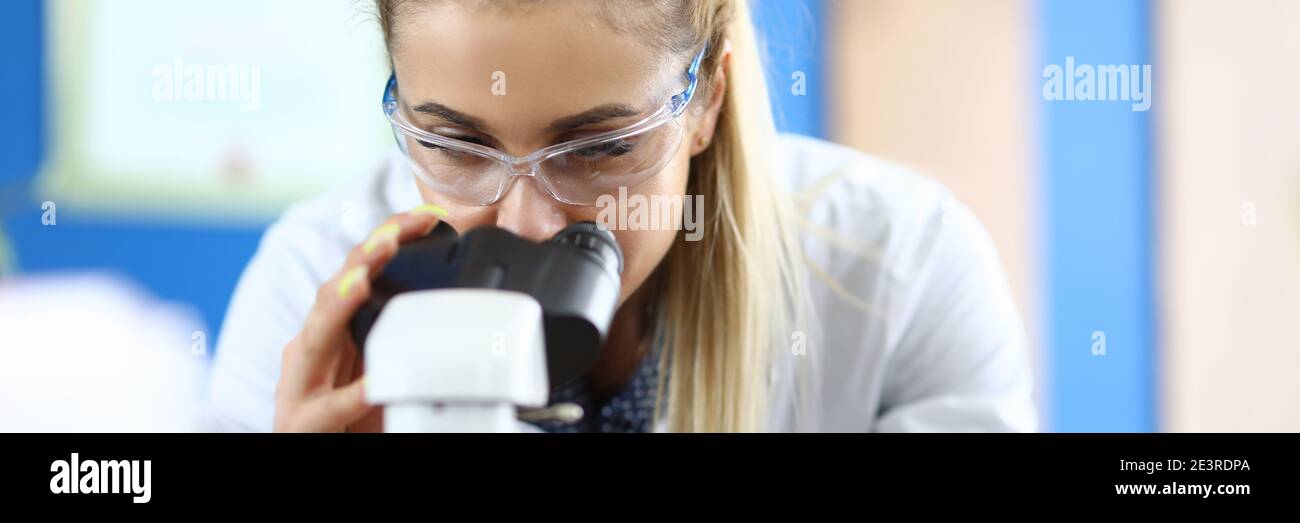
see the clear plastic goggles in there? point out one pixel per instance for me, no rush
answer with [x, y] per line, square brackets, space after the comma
[576, 172]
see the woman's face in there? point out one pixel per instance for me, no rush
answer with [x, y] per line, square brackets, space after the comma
[513, 73]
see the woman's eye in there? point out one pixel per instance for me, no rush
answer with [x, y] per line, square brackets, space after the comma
[610, 148]
[453, 154]
[444, 152]
[466, 139]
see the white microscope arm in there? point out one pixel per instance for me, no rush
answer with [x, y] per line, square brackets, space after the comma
[457, 360]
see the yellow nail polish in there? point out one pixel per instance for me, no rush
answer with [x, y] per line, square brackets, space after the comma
[382, 234]
[429, 208]
[351, 278]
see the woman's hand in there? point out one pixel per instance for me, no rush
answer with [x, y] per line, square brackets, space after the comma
[320, 389]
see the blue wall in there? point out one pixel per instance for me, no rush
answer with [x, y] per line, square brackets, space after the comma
[191, 263]
[792, 34]
[21, 89]
[1098, 214]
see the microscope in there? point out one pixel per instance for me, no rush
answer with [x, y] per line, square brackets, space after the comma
[461, 331]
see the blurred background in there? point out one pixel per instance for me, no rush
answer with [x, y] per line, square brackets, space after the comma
[1155, 254]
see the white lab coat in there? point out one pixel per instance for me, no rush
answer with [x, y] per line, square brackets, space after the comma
[918, 331]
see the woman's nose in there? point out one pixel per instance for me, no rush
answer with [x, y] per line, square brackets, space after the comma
[530, 212]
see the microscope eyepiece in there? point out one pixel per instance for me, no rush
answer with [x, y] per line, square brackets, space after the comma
[596, 240]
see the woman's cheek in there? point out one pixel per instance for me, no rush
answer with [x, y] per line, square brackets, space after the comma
[642, 252]
[460, 217]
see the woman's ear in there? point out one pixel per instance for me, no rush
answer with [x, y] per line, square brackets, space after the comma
[707, 121]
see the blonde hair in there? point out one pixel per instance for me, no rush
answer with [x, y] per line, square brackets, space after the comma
[728, 301]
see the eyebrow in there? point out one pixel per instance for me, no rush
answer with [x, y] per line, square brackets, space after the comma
[591, 116]
[451, 115]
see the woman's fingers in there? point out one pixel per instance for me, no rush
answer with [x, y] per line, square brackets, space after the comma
[345, 370]
[381, 244]
[338, 408]
[339, 298]
[330, 411]
[321, 340]
[316, 391]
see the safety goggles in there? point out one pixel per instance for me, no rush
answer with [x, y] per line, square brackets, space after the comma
[575, 172]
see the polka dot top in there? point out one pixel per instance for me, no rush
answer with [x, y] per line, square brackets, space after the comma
[631, 409]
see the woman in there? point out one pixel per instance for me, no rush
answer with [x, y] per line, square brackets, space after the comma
[827, 292]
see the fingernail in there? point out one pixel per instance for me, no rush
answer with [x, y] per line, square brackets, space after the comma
[383, 234]
[351, 278]
[429, 208]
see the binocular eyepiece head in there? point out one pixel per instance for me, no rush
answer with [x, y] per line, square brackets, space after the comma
[575, 277]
